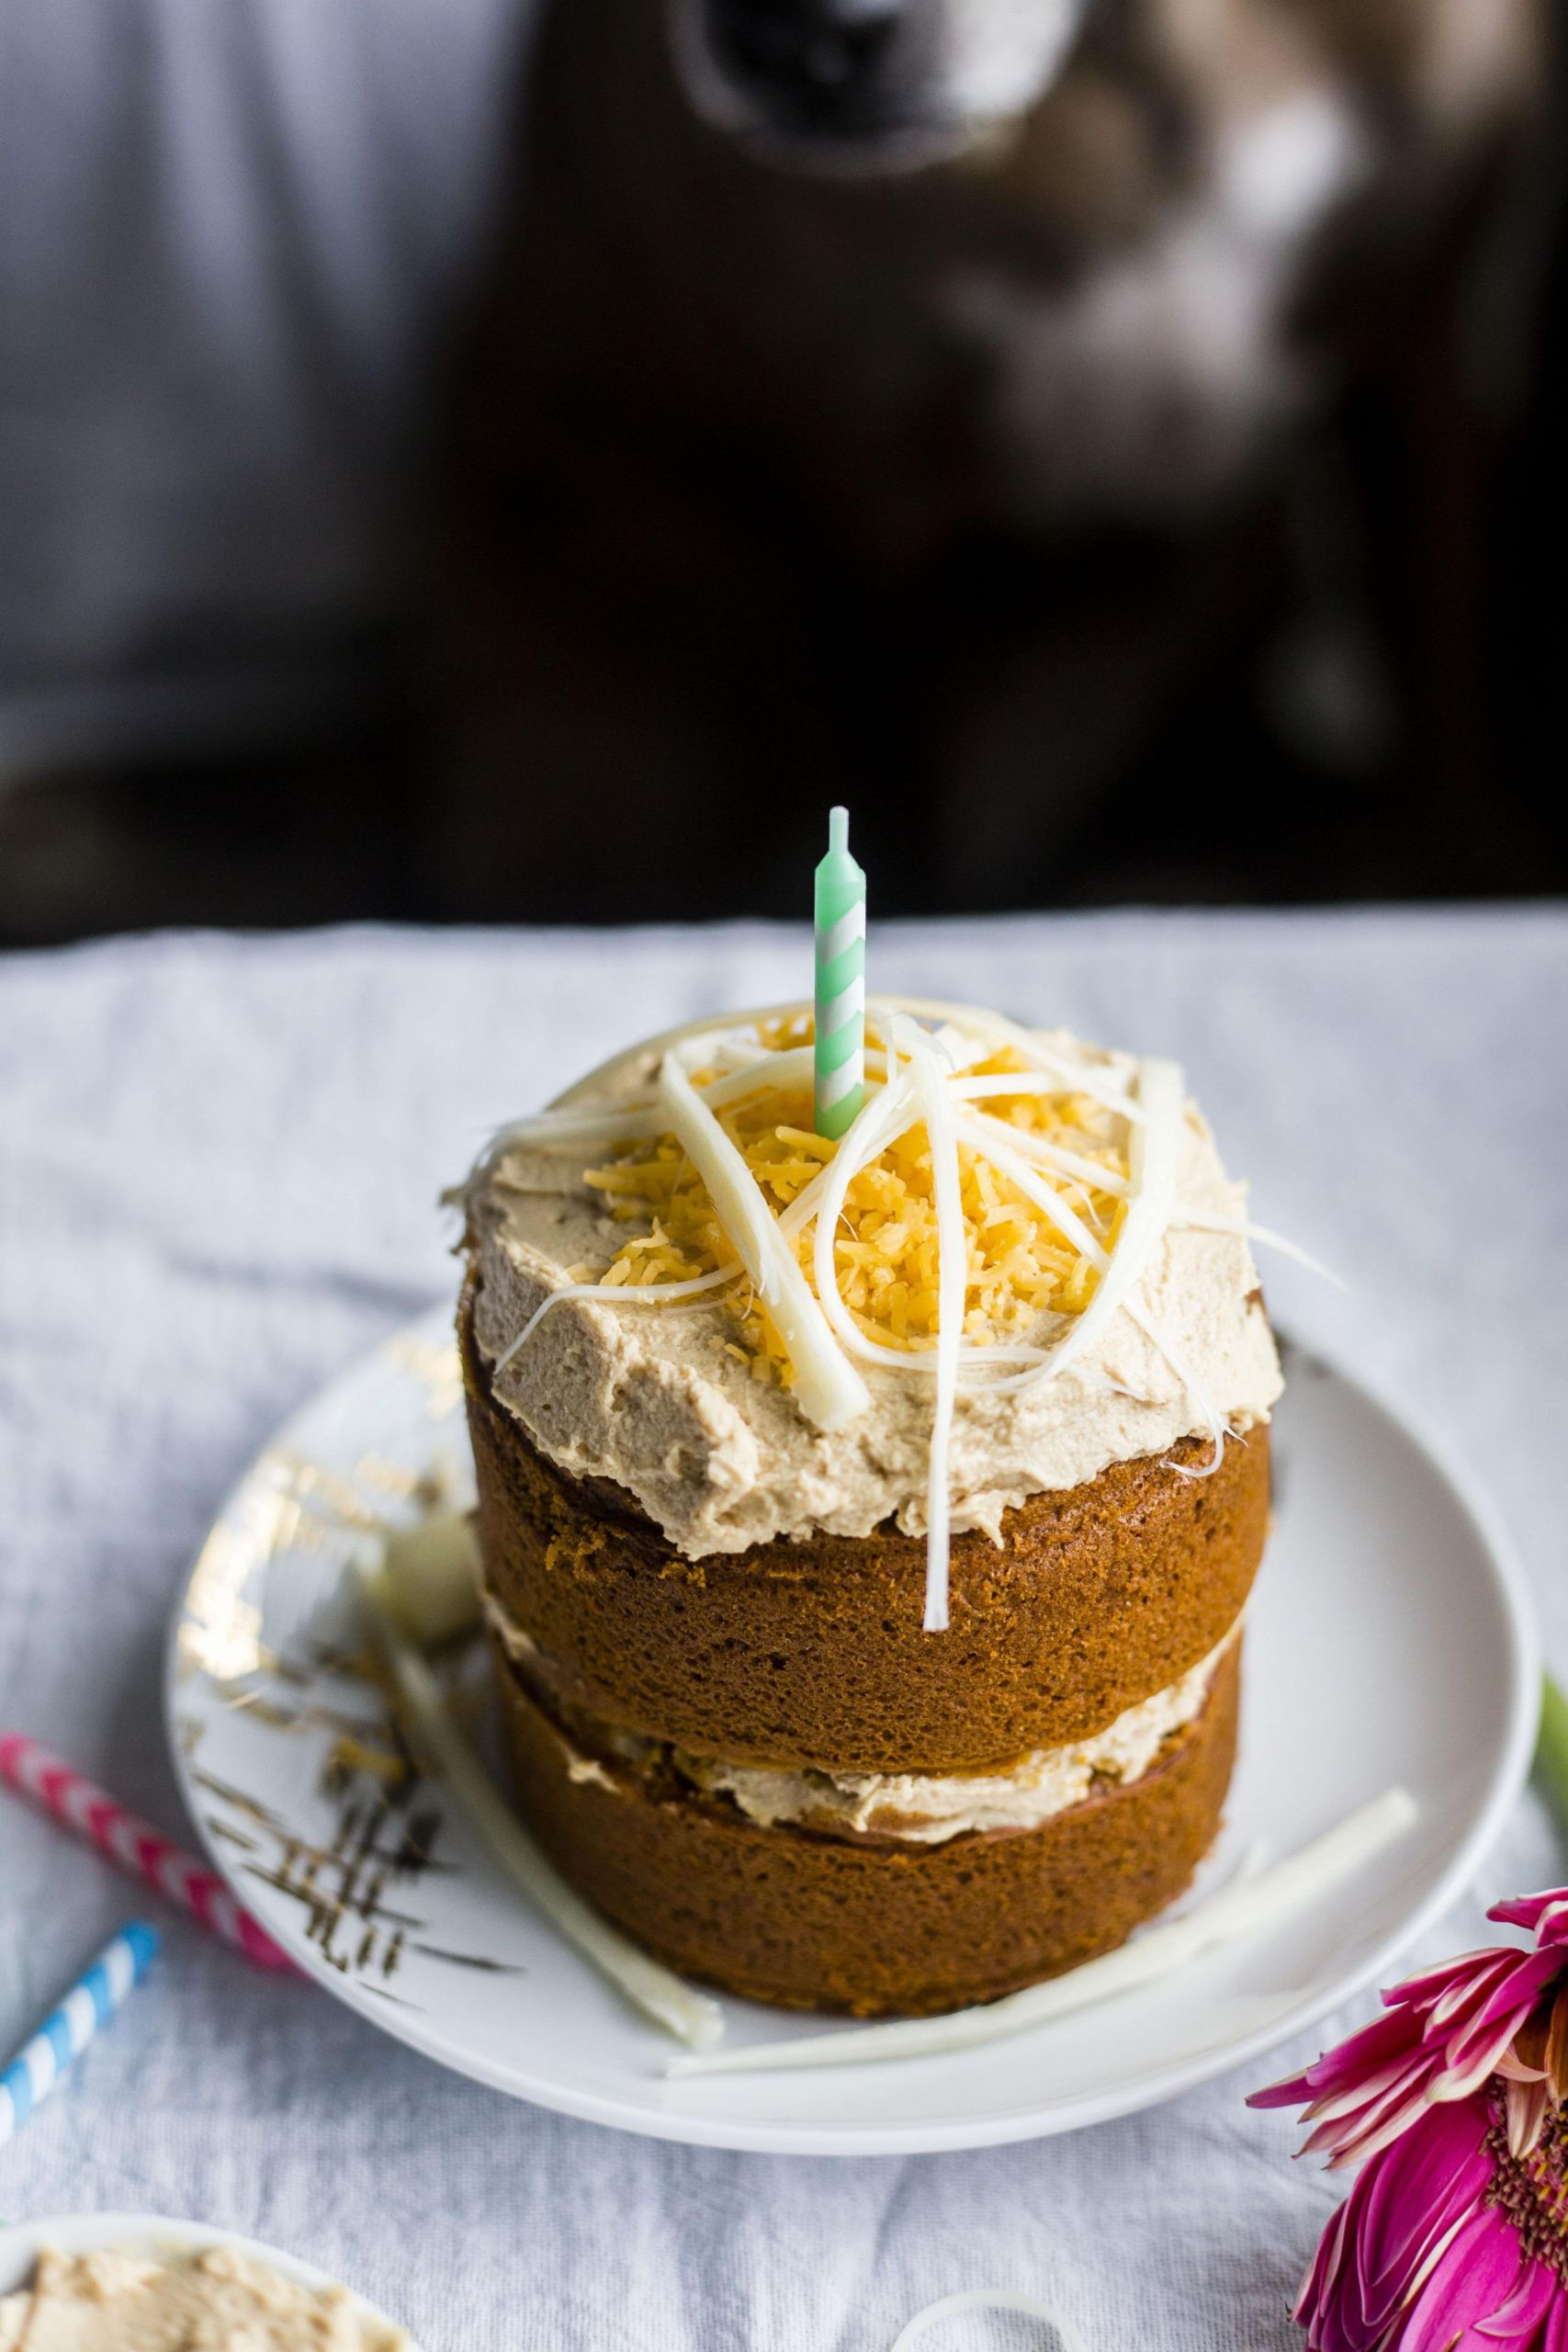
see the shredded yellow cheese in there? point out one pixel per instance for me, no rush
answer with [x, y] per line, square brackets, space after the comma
[1020, 1264]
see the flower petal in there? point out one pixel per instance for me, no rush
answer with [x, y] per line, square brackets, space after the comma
[1484, 1973]
[1479, 2272]
[1390, 2082]
[1557, 2047]
[1512, 2068]
[1355, 2146]
[1525, 2107]
[1321, 2289]
[1545, 1916]
[1554, 2338]
[1417, 2192]
[1520, 2320]
[1347, 2065]
[1470, 2057]
[1383, 2242]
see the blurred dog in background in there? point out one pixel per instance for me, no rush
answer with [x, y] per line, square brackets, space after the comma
[1043, 423]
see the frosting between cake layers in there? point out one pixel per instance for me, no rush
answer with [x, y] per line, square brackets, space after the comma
[928, 1808]
[659, 1399]
[918, 1808]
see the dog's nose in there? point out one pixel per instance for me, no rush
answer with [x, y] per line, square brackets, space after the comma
[810, 66]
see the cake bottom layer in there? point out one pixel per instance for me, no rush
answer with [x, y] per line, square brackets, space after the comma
[784, 1915]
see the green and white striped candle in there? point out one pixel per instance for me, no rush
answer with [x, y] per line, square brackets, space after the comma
[841, 982]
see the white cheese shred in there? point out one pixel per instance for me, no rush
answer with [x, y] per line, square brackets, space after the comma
[693, 2017]
[930, 1074]
[1153, 1150]
[882, 1117]
[1048, 1155]
[827, 1387]
[1258, 1903]
[1197, 1396]
[638, 1119]
[614, 1294]
[989, 2299]
[988, 1138]
[1068, 1070]
[1214, 1221]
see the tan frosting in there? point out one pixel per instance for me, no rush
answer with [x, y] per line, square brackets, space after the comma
[215, 2301]
[924, 1808]
[654, 1398]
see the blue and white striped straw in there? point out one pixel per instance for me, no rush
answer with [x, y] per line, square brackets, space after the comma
[66, 2032]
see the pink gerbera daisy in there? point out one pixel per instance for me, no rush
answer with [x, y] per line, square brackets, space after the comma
[1455, 2237]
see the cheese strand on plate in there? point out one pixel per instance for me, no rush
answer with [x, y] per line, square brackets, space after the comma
[987, 2299]
[1261, 1902]
[693, 2016]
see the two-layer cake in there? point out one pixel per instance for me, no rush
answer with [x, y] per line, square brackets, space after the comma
[715, 1531]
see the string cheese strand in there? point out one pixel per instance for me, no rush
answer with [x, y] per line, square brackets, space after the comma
[989, 2299]
[1288, 1886]
[929, 1072]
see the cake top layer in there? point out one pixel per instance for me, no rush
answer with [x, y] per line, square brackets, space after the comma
[795, 1374]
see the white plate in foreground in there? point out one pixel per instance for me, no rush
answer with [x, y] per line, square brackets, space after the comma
[151, 2234]
[1391, 1640]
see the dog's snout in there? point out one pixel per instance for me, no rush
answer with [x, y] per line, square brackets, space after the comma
[846, 85]
[810, 66]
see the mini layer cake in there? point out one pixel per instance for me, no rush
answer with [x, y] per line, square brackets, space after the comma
[847, 1663]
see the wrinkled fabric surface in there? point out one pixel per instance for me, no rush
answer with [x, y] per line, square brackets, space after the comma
[219, 1163]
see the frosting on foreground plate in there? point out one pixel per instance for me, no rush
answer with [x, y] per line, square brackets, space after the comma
[142, 2297]
[668, 1401]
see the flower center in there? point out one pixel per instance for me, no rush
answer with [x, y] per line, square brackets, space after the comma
[1533, 2192]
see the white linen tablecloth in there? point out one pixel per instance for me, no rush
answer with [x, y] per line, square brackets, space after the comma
[219, 1163]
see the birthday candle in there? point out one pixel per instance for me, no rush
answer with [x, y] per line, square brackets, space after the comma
[66, 2032]
[841, 982]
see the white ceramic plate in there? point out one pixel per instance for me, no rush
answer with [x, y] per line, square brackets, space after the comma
[151, 2234]
[1391, 1640]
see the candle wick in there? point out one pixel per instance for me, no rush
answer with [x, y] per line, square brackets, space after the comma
[837, 831]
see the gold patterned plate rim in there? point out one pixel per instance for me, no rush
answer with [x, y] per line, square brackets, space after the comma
[1392, 1639]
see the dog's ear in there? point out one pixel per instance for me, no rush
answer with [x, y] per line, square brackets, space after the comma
[867, 84]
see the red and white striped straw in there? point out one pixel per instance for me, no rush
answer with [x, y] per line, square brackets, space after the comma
[135, 1845]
